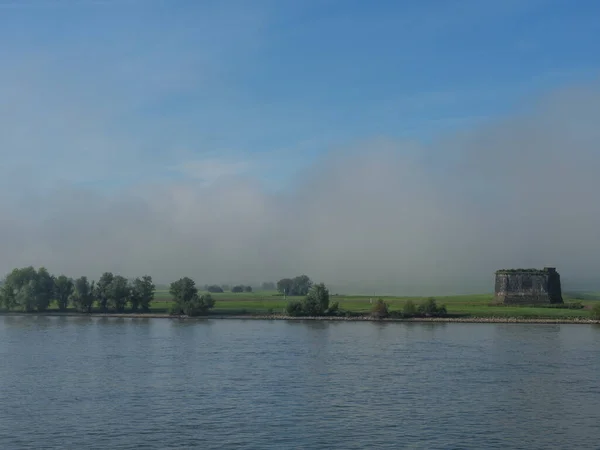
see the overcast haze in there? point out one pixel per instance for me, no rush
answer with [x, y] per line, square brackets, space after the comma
[189, 142]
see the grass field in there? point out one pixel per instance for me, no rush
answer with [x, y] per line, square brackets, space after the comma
[459, 305]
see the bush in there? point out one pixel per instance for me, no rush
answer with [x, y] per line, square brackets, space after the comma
[409, 309]
[596, 311]
[380, 309]
[333, 309]
[198, 305]
[294, 308]
[429, 308]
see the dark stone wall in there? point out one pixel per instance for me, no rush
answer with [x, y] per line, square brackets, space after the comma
[528, 287]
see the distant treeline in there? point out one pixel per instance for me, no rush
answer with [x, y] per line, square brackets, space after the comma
[27, 289]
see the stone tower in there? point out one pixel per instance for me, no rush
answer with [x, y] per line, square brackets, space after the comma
[528, 286]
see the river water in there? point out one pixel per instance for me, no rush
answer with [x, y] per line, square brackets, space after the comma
[78, 383]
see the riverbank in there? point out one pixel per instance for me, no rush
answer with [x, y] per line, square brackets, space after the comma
[365, 318]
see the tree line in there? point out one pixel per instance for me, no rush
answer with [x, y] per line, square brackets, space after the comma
[216, 289]
[296, 286]
[28, 290]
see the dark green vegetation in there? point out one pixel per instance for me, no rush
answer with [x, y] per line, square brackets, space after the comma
[186, 299]
[316, 303]
[31, 290]
[299, 285]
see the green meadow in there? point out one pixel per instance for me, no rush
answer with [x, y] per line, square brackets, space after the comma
[260, 303]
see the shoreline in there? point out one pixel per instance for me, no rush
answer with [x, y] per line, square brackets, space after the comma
[575, 320]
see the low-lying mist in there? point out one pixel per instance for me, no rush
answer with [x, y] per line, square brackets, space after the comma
[380, 216]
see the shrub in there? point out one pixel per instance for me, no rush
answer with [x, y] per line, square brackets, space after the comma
[429, 308]
[198, 305]
[380, 309]
[333, 309]
[409, 309]
[596, 311]
[294, 308]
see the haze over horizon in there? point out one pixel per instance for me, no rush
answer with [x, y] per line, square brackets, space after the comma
[379, 148]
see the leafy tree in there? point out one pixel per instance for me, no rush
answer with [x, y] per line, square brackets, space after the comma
[102, 288]
[237, 289]
[299, 285]
[118, 293]
[285, 285]
[247, 288]
[316, 301]
[28, 290]
[44, 289]
[199, 305]
[186, 299]
[430, 308]
[142, 293]
[63, 288]
[83, 294]
[302, 285]
[380, 309]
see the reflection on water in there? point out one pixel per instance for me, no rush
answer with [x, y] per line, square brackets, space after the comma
[86, 382]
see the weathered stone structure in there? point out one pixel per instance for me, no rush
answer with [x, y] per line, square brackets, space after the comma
[528, 286]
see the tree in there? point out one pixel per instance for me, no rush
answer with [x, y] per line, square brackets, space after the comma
[214, 288]
[247, 288]
[117, 293]
[44, 289]
[199, 305]
[380, 309]
[28, 290]
[142, 293]
[237, 289]
[101, 291]
[63, 288]
[83, 294]
[285, 285]
[302, 285]
[186, 299]
[299, 285]
[429, 308]
[316, 301]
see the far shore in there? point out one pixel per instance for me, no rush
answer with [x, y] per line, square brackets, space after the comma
[365, 318]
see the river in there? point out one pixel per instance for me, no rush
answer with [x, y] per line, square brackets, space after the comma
[115, 383]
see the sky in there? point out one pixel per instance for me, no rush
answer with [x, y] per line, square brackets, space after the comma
[389, 147]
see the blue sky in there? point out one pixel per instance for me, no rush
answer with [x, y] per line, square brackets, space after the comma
[416, 146]
[266, 86]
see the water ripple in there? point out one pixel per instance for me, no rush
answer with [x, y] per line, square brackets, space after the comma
[160, 384]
